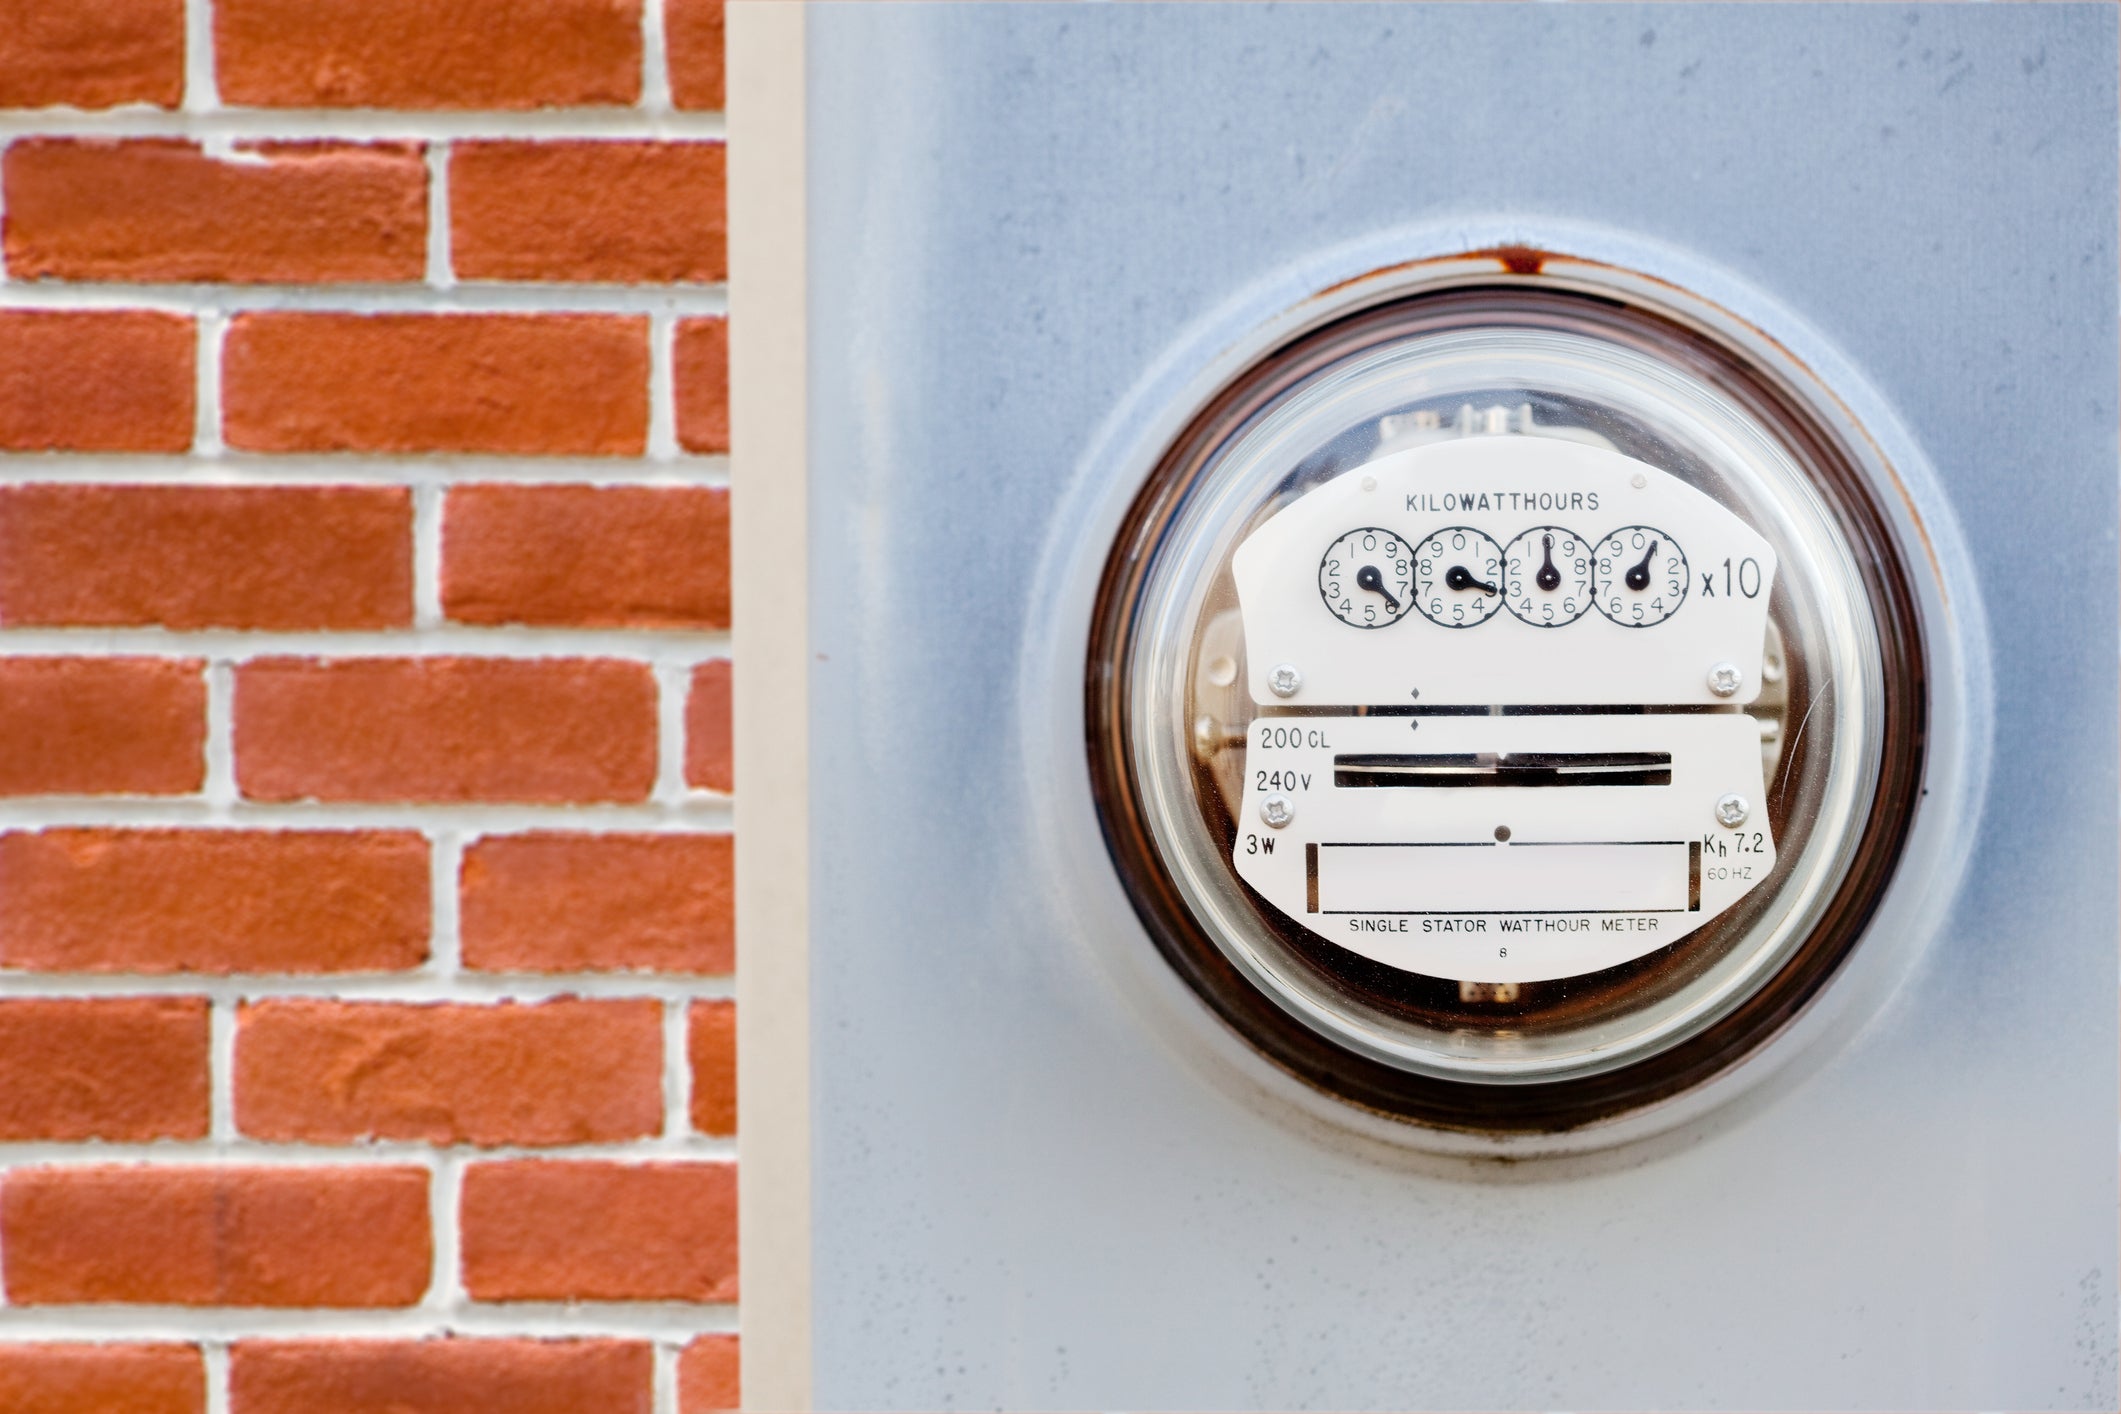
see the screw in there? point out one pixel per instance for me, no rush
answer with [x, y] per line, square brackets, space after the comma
[1283, 679]
[1724, 679]
[1731, 810]
[1638, 481]
[1277, 811]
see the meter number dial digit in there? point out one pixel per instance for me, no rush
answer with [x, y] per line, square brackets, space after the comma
[1641, 576]
[1366, 577]
[1458, 577]
[1547, 576]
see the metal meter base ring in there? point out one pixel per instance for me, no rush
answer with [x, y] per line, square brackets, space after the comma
[1515, 1105]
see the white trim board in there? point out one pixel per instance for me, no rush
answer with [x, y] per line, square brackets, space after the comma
[769, 474]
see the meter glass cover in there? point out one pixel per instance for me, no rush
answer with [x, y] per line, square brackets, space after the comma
[1508, 690]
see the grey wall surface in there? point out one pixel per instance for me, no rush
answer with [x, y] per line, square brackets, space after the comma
[1025, 1198]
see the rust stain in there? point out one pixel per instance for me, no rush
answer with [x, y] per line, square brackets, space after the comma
[1517, 259]
[1514, 259]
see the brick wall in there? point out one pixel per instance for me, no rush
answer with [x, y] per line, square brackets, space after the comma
[366, 1039]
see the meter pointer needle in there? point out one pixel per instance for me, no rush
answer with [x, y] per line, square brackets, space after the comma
[1639, 576]
[1549, 578]
[1368, 578]
[1459, 577]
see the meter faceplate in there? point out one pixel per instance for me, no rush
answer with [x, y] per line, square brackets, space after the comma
[1558, 841]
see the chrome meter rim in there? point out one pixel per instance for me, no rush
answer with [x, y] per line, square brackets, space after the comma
[1378, 1040]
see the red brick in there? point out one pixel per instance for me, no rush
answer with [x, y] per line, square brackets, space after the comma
[481, 54]
[560, 1072]
[160, 209]
[700, 370]
[544, 1230]
[708, 1376]
[266, 557]
[559, 902]
[517, 383]
[120, 1068]
[549, 731]
[216, 901]
[607, 556]
[102, 1379]
[614, 212]
[692, 37]
[96, 380]
[710, 1044]
[102, 726]
[441, 1377]
[294, 1236]
[91, 53]
[710, 753]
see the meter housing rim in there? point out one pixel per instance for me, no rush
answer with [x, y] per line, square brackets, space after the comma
[1533, 1102]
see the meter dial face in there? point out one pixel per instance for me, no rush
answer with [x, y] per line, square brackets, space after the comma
[1547, 576]
[1366, 577]
[1457, 577]
[1642, 576]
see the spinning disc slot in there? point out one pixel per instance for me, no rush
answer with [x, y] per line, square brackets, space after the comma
[1505, 768]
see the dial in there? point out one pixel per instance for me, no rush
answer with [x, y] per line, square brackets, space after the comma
[1641, 576]
[1367, 577]
[1546, 576]
[1458, 577]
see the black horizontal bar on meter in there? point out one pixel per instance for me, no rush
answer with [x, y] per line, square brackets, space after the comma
[1489, 912]
[1573, 844]
[1507, 709]
[1478, 844]
[1431, 770]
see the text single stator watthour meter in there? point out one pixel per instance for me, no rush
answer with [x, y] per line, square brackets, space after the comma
[1506, 706]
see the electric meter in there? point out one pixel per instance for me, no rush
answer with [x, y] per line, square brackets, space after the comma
[1506, 706]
